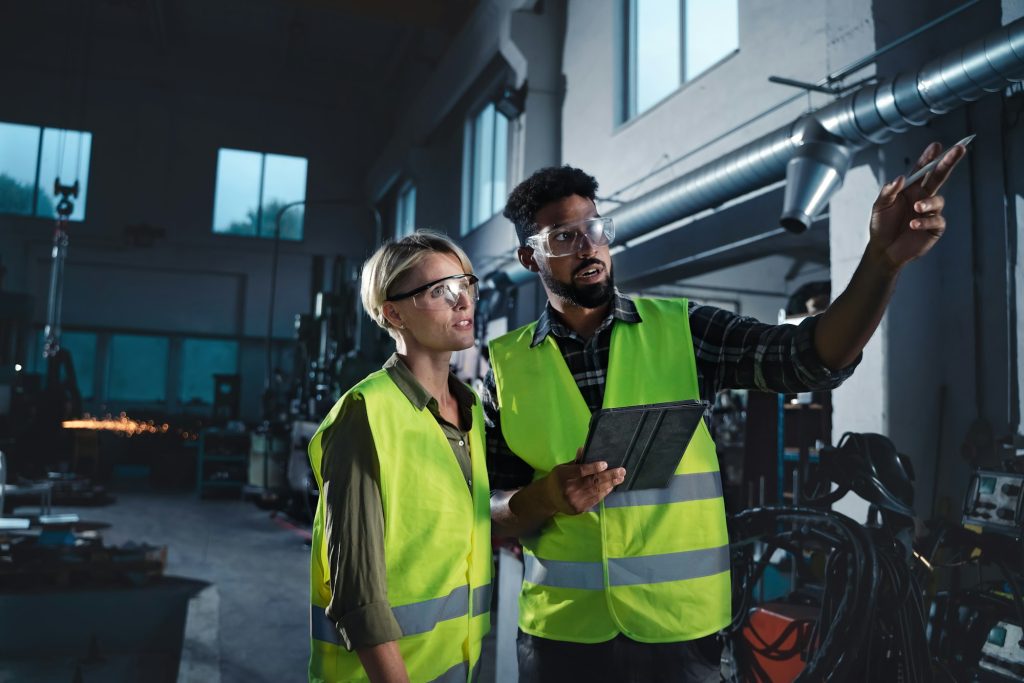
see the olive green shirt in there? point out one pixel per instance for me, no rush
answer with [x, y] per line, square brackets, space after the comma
[354, 519]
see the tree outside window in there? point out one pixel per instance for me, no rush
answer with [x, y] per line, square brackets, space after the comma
[32, 158]
[252, 188]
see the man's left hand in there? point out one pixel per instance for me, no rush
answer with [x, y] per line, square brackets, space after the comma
[907, 222]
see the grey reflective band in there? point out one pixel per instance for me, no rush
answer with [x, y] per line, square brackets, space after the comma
[457, 674]
[414, 618]
[420, 617]
[681, 489]
[481, 599]
[322, 628]
[690, 564]
[563, 574]
[627, 571]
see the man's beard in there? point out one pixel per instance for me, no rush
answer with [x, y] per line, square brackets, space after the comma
[586, 296]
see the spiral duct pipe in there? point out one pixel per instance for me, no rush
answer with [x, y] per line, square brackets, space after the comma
[813, 152]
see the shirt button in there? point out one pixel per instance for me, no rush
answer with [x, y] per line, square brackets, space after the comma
[461, 442]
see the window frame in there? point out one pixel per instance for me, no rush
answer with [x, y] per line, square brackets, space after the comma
[259, 232]
[406, 191]
[37, 191]
[470, 177]
[628, 110]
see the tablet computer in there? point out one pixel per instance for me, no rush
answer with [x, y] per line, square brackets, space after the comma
[648, 440]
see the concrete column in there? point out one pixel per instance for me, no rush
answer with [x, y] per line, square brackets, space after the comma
[534, 48]
[861, 404]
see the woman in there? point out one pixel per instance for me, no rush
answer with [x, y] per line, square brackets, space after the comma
[401, 558]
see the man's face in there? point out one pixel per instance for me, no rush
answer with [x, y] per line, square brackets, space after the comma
[581, 279]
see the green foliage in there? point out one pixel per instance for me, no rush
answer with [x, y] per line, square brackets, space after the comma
[291, 221]
[16, 197]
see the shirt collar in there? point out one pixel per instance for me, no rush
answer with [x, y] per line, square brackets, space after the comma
[550, 322]
[403, 378]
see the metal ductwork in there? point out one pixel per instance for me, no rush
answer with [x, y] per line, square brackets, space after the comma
[813, 153]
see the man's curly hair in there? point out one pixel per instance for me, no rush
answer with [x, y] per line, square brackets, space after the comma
[543, 187]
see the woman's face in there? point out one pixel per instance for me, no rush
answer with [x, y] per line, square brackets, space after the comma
[431, 324]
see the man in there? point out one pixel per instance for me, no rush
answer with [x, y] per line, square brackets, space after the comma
[634, 586]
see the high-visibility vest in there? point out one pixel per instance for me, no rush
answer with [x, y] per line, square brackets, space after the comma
[650, 564]
[437, 542]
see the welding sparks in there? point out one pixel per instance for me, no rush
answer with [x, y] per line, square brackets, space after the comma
[121, 424]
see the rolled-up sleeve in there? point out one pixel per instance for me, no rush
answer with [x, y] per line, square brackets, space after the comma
[737, 352]
[354, 531]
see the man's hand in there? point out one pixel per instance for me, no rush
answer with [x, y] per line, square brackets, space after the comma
[570, 489]
[573, 488]
[907, 222]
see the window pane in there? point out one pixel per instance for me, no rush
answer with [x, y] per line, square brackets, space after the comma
[238, 192]
[483, 164]
[200, 360]
[19, 150]
[284, 181]
[65, 155]
[82, 346]
[467, 177]
[712, 32]
[656, 51]
[405, 213]
[500, 163]
[34, 361]
[138, 368]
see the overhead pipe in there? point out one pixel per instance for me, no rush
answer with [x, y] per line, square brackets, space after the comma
[813, 152]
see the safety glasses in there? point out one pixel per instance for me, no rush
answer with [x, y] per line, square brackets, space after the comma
[443, 293]
[568, 239]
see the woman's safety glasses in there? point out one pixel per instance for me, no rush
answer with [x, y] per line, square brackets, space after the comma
[568, 239]
[441, 294]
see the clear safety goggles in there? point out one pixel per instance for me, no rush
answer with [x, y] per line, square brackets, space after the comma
[444, 293]
[568, 239]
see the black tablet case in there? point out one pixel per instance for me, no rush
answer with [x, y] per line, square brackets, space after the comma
[648, 440]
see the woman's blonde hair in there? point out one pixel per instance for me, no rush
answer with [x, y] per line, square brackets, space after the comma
[393, 261]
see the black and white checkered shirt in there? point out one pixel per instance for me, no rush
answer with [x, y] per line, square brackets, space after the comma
[732, 352]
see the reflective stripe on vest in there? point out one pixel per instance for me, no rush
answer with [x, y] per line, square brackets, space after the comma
[682, 489]
[322, 628]
[418, 617]
[481, 600]
[456, 674]
[627, 571]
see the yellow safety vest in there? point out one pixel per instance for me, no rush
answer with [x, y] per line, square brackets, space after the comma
[651, 564]
[437, 542]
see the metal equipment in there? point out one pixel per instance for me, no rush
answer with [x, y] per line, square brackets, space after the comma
[994, 502]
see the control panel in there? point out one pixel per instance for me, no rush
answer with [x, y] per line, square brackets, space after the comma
[994, 502]
[1002, 654]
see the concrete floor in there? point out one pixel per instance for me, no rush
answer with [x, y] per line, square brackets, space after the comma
[258, 568]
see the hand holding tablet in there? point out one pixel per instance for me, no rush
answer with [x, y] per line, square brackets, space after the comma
[647, 440]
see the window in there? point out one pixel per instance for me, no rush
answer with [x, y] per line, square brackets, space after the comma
[201, 359]
[138, 368]
[405, 211]
[484, 167]
[669, 42]
[81, 346]
[252, 188]
[32, 158]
